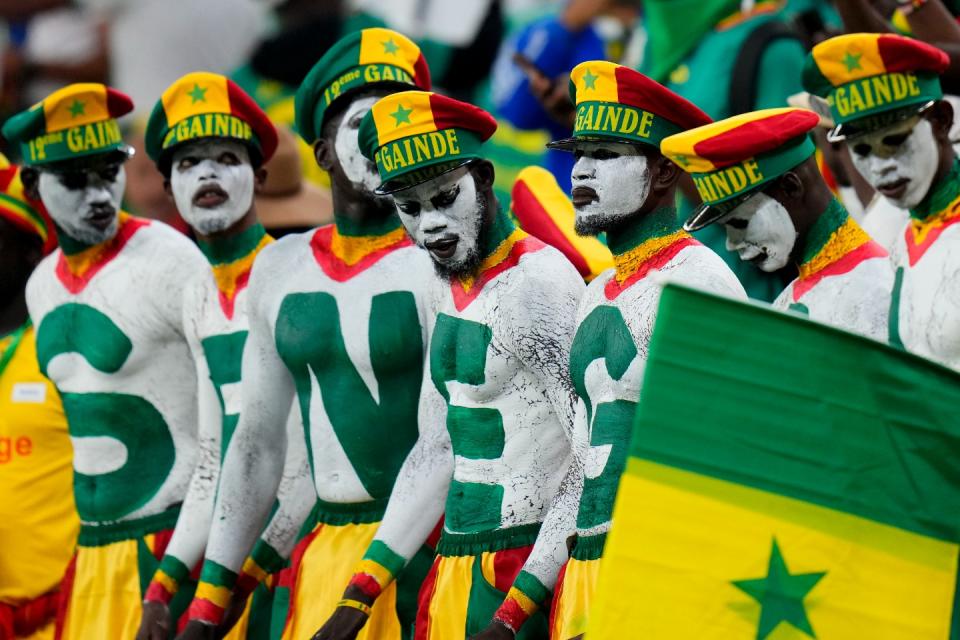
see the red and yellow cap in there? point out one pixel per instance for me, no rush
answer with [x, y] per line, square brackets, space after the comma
[414, 136]
[208, 105]
[866, 75]
[22, 212]
[359, 59]
[75, 121]
[734, 157]
[617, 104]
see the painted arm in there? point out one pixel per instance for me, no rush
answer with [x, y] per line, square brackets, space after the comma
[544, 313]
[252, 467]
[415, 507]
[296, 496]
[193, 525]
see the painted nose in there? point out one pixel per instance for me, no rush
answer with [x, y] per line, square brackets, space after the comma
[584, 169]
[432, 221]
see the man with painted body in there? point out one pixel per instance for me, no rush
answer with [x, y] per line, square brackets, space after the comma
[886, 99]
[210, 140]
[108, 312]
[337, 323]
[758, 176]
[38, 520]
[501, 327]
[624, 187]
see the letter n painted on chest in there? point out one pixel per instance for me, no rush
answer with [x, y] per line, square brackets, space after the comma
[458, 354]
[603, 334]
[376, 435]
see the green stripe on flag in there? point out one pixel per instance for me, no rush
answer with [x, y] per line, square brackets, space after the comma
[866, 429]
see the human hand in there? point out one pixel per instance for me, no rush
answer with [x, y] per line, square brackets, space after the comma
[155, 622]
[344, 624]
[554, 95]
[198, 630]
[496, 630]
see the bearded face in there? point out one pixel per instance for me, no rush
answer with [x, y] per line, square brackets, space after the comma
[445, 217]
[212, 183]
[611, 181]
[84, 199]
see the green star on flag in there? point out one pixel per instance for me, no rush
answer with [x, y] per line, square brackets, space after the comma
[390, 47]
[198, 94]
[77, 108]
[589, 80]
[401, 115]
[780, 595]
[852, 61]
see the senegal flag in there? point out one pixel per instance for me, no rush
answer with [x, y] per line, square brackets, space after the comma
[786, 480]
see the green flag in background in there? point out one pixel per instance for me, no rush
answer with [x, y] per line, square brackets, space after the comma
[786, 480]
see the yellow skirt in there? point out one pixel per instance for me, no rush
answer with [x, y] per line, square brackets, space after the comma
[575, 588]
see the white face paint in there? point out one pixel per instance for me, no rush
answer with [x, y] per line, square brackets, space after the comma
[212, 183]
[444, 216]
[610, 182]
[360, 171]
[899, 161]
[85, 204]
[760, 231]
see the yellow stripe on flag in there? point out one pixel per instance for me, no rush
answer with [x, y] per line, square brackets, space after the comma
[403, 114]
[683, 144]
[573, 604]
[451, 595]
[74, 106]
[200, 93]
[383, 46]
[850, 57]
[596, 81]
[702, 546]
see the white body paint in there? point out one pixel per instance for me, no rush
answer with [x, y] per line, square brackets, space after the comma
[204, 318]
[360, 171]
[206, 170]
[929, 311]
[456, 220]
[620, 184]
[530, 310]
[71, 209]
[252, 468]
[769, 233]
[915, 160]
[694, 266]
[140, 290]
[857, 301]
[884, 222]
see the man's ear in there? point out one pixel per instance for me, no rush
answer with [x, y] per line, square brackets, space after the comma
[665, 172]
[790, 186]
[324, 154]
[483, 173]
[30, 178]
[940, 116]
[259, 179]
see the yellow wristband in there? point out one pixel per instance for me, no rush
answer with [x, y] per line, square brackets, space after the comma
[355, 604]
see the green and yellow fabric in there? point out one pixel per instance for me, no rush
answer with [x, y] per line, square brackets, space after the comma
[414, 136]
[867, 74]
[617, 104]
[360, 59]
[208, 105]
[735, 157]
[75, 121]
[805, 496]
[24, 213]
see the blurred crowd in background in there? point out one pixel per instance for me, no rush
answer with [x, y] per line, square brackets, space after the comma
[511, 57]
